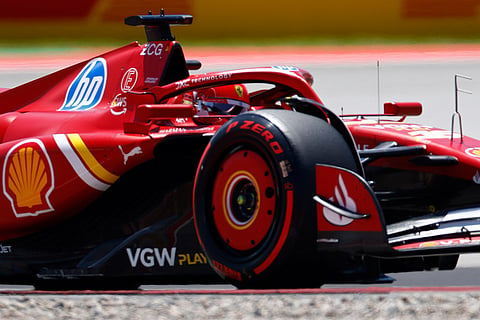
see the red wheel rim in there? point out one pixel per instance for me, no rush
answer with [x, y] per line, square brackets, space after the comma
[244, 199]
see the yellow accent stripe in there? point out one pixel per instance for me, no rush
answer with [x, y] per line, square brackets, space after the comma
[226, 212]
[90, 160]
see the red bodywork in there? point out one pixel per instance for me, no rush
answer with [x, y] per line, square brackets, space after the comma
[60, 148]
[370, 133]
[434, 183]
[386, 189]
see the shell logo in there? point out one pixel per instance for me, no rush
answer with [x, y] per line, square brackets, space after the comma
[28, 178]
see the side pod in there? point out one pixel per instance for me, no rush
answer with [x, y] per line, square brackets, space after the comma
[349, 217]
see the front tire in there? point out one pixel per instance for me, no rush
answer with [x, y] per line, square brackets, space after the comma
[253, 207]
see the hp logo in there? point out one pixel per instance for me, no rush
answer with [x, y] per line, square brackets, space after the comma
[86, 91]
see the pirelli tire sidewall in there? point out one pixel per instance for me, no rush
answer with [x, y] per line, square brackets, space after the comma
[282, 252]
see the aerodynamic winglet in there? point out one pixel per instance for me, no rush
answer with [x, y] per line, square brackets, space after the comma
[157, 27]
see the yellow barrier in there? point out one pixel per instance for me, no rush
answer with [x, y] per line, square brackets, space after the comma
[246, 19]
[255, 18]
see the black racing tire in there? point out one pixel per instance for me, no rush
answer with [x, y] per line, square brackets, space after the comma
[253, 207]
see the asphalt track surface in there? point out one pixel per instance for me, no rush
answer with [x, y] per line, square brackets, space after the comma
[349, 80]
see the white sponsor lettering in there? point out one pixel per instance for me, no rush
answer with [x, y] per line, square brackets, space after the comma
[199, 79]
[85, 92]
[182, 84]
[5, 249]
[119, 105]
[220, 76]
[151, 257]
[451, 242]
[151, 49]
[129, 79]
[120, 101]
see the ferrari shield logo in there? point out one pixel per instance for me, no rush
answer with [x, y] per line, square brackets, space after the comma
[28, 178]
[239, 90]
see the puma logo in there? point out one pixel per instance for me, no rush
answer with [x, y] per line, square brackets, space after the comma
[134, 151]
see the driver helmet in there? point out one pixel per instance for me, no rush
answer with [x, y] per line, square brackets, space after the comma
[224, 100]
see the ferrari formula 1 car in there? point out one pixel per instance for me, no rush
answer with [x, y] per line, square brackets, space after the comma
[126, 169]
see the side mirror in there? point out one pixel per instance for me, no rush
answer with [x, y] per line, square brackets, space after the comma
[402, 108]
